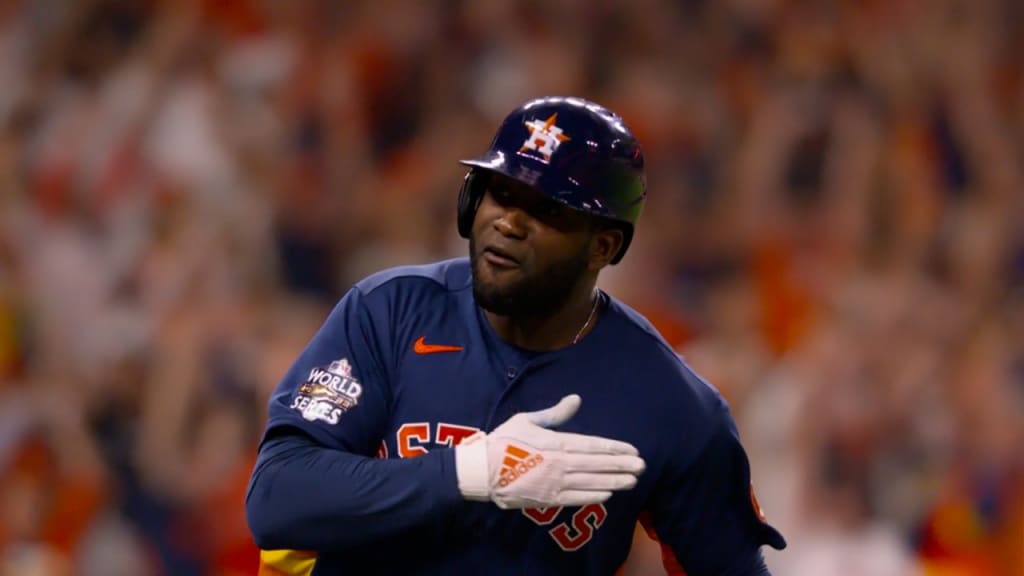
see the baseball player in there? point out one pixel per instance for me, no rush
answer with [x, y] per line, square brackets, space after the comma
[496, 414]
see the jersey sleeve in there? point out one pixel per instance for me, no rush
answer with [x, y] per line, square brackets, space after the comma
[337, 390]
[316, 484]
[704, 512]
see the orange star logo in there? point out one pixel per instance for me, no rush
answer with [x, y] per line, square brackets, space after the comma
[545, 137]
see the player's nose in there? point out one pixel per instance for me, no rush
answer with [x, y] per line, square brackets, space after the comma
[512, 223]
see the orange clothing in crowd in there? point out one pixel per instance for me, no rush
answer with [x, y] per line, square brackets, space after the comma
[786, 305]
[230, 549]
[959, 539]
[67, 504]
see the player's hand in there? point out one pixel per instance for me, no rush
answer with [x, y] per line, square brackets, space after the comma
[522, 464]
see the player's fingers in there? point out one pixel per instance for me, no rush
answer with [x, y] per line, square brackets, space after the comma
[601, 482]
[586, 444]
[558, 414]
[582, 497]
[623, 463]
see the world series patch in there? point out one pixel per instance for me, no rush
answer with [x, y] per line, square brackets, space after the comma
[328, 393]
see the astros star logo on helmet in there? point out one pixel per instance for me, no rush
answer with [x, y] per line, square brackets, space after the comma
[545, 137]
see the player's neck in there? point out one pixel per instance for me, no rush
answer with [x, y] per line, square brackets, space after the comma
[575, 319]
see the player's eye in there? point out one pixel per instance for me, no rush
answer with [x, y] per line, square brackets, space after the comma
[553, 210]
[553, 214]
[501, 194]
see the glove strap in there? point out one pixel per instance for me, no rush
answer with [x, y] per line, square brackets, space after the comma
[471, 468]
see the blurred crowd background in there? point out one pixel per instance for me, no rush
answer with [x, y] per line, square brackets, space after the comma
[832, 238]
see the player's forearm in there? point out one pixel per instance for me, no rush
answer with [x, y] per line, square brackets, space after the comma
[307, 497]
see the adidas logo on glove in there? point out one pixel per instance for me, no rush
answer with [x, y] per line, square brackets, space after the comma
[517, 462]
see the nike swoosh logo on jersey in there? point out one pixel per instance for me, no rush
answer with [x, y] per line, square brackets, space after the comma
[421, 347]
[516, 463]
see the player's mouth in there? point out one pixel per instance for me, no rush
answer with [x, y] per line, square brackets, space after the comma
[499, 258]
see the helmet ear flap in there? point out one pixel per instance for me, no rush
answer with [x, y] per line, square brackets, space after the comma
[470, 194]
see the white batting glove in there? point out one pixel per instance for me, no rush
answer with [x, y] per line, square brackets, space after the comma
[522, 464]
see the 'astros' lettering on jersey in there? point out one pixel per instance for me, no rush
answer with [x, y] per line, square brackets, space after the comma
[407, 364]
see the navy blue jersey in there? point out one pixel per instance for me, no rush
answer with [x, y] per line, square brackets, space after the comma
[356, 467]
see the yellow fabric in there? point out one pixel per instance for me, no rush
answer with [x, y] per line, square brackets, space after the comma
[286, 562]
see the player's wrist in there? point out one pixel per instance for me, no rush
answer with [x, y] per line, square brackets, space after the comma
[472, 470]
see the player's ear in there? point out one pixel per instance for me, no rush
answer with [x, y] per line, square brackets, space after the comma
[605, 243]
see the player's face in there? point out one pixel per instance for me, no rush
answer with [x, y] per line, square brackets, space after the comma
[528, 252]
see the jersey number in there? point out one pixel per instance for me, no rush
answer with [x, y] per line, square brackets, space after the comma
[578, 531]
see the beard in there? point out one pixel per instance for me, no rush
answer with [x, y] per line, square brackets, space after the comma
[536, 293]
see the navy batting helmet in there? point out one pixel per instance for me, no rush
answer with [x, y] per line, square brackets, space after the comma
[576, 152]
